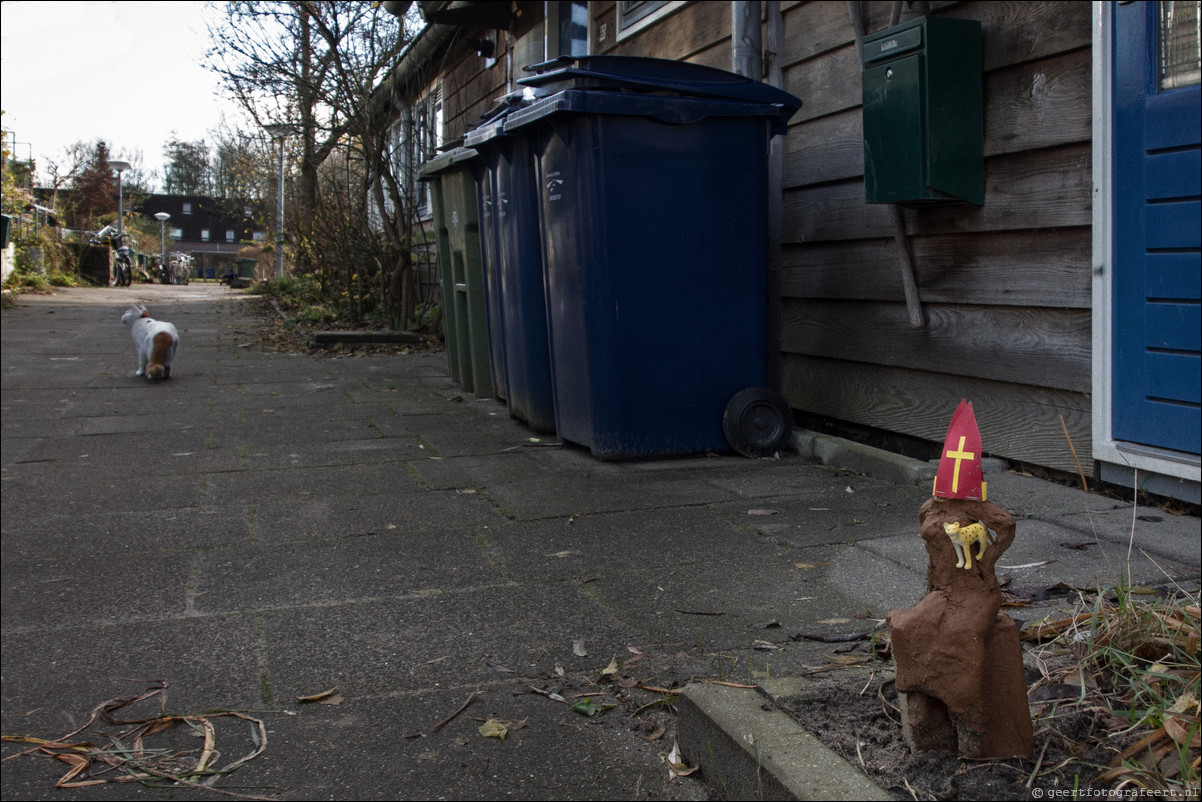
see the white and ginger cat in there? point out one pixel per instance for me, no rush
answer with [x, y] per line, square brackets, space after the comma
[156, 341]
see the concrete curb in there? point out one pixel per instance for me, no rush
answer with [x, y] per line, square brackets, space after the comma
[748, 749]
[875, 462]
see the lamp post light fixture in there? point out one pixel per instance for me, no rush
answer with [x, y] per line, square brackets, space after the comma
[120, 167]
[162, 217]
[279, 131]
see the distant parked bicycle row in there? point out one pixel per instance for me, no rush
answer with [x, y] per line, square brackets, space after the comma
[177, 270]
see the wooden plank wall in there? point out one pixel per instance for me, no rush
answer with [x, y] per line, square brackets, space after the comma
[1005, 286]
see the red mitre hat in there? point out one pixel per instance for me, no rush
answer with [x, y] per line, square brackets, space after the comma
[960, 474]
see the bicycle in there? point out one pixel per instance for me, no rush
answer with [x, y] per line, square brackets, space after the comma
[124, 267]
[181, 270]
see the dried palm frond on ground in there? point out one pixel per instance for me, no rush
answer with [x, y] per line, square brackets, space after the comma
[130, 755]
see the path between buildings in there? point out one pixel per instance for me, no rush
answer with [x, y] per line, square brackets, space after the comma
[268, 526]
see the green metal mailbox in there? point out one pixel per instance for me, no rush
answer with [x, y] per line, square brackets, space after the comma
[923, 113]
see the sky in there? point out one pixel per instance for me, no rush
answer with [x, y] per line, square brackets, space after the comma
[129, 73]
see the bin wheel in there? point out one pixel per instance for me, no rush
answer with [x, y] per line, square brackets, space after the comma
[757, 422]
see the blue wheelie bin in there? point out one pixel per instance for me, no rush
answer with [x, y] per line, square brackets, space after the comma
[653, 211]
[517, 298]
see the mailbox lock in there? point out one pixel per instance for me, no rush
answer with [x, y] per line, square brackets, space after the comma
[889, 74]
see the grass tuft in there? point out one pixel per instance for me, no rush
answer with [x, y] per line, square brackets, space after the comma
[1137, 667]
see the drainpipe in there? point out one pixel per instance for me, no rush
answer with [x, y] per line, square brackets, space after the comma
[745, 39]
[407, 134]
[746, 60]
[776, 198]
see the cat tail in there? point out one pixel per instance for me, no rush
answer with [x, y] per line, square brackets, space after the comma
[160, 350]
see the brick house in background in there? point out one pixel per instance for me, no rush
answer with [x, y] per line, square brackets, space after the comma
[212, 230]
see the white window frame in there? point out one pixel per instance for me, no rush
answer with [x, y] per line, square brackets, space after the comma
[427, 138]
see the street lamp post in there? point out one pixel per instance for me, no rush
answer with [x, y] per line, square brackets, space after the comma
[279, 131]
[120, 167]
[162, 217]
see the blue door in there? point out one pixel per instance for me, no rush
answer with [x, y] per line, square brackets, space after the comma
[1156, 323]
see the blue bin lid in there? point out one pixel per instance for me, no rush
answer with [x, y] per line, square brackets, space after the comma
[492, 122]
[666, 109]
[636, 73]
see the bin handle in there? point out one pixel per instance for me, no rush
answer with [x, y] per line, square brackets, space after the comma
[677, 116]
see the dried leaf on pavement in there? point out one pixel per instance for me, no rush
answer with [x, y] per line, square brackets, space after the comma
[676, 764]
[500, 728]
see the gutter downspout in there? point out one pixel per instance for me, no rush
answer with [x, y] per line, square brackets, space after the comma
[414, 58]
[776, 197]
[746, 59]
[745, 39]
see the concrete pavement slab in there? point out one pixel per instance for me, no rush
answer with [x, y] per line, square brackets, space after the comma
[439, 637]
[338, 569]
[127, 531]
[210, 663]
[1152, 531]
[82, 590]
[295, 520]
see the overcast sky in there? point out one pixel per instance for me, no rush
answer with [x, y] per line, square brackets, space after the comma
[126, 72]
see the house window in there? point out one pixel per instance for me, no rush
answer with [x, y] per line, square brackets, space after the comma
[187, 208]
[204, 235]
[635, 15]
[177, 234]
[1180, 44]
[229, 236]
[427, 137]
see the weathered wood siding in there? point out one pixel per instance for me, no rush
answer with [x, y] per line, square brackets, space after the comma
[1005, 286]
